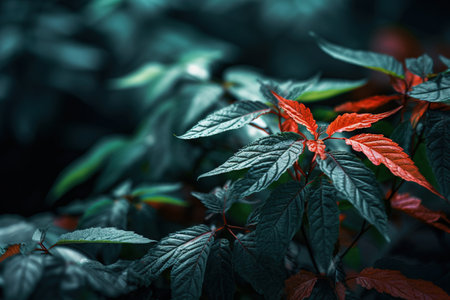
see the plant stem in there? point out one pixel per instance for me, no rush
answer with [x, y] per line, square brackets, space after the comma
[355, 240]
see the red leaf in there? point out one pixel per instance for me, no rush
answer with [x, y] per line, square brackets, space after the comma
[367, 104]
[404, 85]
[289, 125]
[11, 251]
[380, 149]
[353, 121]
[413, 207]
[418, 112]
[317, 147]
[340, 290]
[299, 112]
[396, 284]
[300, 285]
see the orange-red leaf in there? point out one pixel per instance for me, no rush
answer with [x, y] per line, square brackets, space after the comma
[289, 125]
[418, 112]
[340, 290]
[367, 104]
[380, 149]
[413, 207]
[317, 147]
[11, 251]
[396, 284]
[300, 285]
[353, 121]
[404, 85]
[299, 112]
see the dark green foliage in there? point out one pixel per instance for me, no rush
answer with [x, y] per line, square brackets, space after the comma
[323, 217]
[358, 184]
[219, 277]
[438, 147]
[102, 235]
[258, 268]
[280, 218]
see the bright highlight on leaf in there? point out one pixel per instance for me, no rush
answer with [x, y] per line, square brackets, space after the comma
[231, 117]
[107, 235]
[380, 149]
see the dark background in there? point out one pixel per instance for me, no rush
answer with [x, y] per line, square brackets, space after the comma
[57, 59]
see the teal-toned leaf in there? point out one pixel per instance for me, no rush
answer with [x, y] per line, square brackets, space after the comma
[323, 218]
[106, 212]
[140, 77]
[327, 88]
[243, 83]
[281, 150]
[156, 189]
[185, 245]
[120, 162]
[228, 118]
[219, 277]
[421, 66]
[189, 268]
[445, 60]
[219, 200]
[375, 61]
[358, 184]
[438, 148]
[402, 135]
[21, 275]
[288, 89]
[83, 168]
[264, 272]
[109, 235]
[280, 218]
[433, 90]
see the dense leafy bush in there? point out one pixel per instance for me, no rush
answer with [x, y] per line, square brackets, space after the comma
[310, 201]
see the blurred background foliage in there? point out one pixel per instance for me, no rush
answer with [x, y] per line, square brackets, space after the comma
[100, 88]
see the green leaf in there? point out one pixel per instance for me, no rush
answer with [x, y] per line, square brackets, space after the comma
[228, 118]
[219, 277]
[421, 66]
[219, 200]
[359, 186]
[433, 90]
[323, 217]
[83, 168]
[109, 235]
[21, 275]
[287, 89]
[281, 150]
[156, 189]
[402, 135]
[327, 88]
[264, 272]
[106, 212]
[375, 61]
[280, 218]
[189, 268]
[163, 200]
[140, 77]
[438, 148]
[185, 245]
